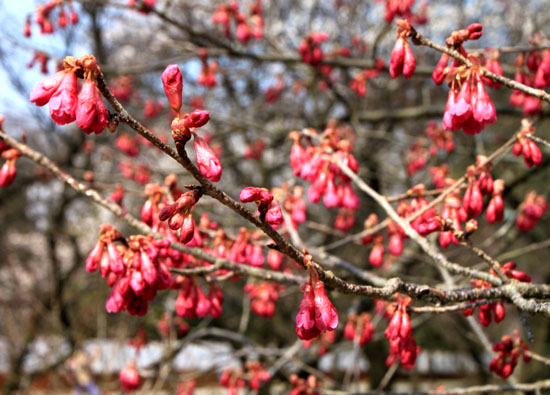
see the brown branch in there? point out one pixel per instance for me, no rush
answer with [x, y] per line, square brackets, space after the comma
[386, 292]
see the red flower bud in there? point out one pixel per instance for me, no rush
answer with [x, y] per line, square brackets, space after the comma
[173, 86]
[209, 164]
[197, 119]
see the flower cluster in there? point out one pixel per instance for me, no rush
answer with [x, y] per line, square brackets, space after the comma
[530, 211]
[135, 272]
[167, 324]
[42, 59]
[496, 309]
[178, 214]
[43, 17]
[183, 125]
[255, 374]
[456, 210]
[207, 76]
[310, 48]
[248, 25]
[399, 333]
[508, 350]
[60, 92]
[495, 208]
[469, 107]
[264, 297]
[193, 302]
[316, 313]
[491, 63]
[359, 83]
[8, 170]
[316, 165]
[402, 8]
[293, 203]
[359, 328]
[421, 150]
[531, 105]
[402, 59]
[269, 209]
[532, 154]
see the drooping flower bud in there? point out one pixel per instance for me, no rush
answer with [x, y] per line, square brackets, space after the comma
[45, 89]
[64, 101]
[209, 164]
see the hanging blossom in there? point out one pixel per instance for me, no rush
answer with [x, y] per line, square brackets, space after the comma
[422, 150]
[317, 165]
[316, 313]
[496, 310]
[359, 328]
[532, 154]
[402, 8]
[424, 224]
[268, 208]
[184, 125]
[402, 59]
[469, 107]
[43, 17]
[264, 297]
[248, 25]
[530, 211]
[508, 350]
[65, 105]
[530, 105]
[399, 333]
[8, 170]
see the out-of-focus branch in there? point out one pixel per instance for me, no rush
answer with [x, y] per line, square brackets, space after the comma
[538, 385]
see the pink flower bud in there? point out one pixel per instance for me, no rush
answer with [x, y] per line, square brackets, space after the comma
[409, 62]
[474, 31]
[397, 57]
[274, 259]
[197, 119]
[209, 164]
[91, 114]
[274, 215]
[64, 101]
[376, 255]
[305, 319]
[148, 269]
[116, 265]
[94, 258]
[326, 316]
[129, 377]
[45, 89]
[173, 86]
[395, 245]
[187, 230]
